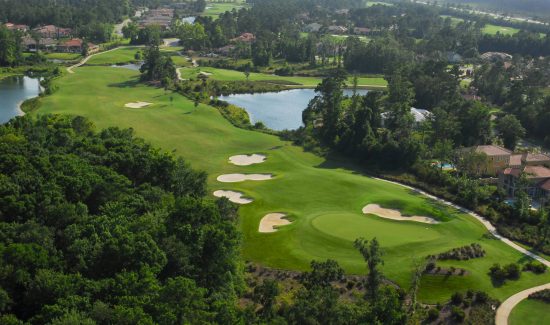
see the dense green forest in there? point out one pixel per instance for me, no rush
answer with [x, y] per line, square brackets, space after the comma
[100, 226]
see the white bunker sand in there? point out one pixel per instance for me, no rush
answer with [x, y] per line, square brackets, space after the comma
[234, 178]
[247, 160]
[137, 104]
[271, 221]
[395, 214]
[235, 197]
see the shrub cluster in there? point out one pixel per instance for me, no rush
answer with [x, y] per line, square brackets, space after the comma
[543, 295]
[507, 272]
[467, 252]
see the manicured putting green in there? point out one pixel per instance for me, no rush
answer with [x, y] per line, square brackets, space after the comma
[322, 198]
[530, 312]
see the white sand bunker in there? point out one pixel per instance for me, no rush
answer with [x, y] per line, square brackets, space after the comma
[235, 197]
[395, 214]
[234, 178]
[137, 104]
[247, 160]
[270, 222]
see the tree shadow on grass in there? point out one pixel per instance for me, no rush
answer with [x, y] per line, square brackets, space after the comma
[125, 84]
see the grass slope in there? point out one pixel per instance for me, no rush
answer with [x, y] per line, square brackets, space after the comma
[229, 75]
[214, 9]
[323, 198]
[493, 29]
[530, 312]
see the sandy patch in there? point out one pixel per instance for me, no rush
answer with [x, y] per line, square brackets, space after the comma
[234, 178]
[270, 222]
[137, 104]
[395, 214]
[235, 197]
[247, 160]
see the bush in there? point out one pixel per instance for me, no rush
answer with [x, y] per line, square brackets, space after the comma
[463, 253]
[433, 314]
[457, 298]
[500, 274]
[31, 105]
[457, 314]
[481, 297]
[535, 267]
[543, 295]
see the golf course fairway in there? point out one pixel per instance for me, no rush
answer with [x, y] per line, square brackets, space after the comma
[322, 199]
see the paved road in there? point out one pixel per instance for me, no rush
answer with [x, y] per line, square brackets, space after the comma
[504, 310]
[119, 27]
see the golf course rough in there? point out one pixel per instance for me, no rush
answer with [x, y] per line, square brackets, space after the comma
[271, 221]
[324, 197]
[393, 214]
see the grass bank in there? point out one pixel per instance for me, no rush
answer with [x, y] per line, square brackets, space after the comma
[323, 197]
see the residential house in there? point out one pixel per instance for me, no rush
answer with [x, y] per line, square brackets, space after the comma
[495, 56]
[538, 181]
[337, 29]
[19, 27]
[362, 31]
[498, 158]
[313, 28]
[419, 115]
[43, 44]
[162, 17]
[245, 38]
[52, 31]
[76, 45]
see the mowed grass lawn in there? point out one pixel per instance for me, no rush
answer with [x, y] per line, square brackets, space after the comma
[229, 75]
[126, 55]
[323, 199]
[493, 29]
[214, 9]
[63, 56]
[530, 312]
[122, 55]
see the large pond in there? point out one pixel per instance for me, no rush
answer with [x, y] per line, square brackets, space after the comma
[13, 91]
[278, 110]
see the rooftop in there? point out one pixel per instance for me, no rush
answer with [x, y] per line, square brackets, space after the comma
[537, 172]
[492, 150]
[545, 185]
[515, 160]
[535, 157]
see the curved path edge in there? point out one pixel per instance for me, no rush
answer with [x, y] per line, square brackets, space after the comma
[84, 60]
[504, 310]
[483, 221]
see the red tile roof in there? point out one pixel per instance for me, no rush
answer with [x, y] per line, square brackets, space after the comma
[535, 157]
[537, 172]
[492, 150]
[515, 160]
[512, 171]
[75, 42]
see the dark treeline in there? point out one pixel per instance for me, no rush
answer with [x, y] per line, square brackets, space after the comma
[102, 227]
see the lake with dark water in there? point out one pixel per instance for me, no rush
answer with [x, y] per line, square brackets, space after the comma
[13, 91]
[278, 110]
